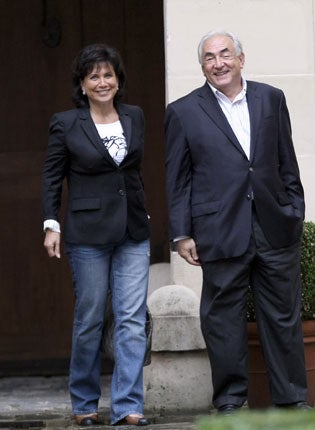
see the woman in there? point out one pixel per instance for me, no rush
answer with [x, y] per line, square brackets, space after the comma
[98, 147]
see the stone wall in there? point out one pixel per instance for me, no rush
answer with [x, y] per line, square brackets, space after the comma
[278, 39]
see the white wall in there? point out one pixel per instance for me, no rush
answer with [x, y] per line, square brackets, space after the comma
[278, 39]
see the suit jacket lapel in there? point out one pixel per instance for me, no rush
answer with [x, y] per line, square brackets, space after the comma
[126, 124]
[255, 109]
[91, 132]
[210, 105]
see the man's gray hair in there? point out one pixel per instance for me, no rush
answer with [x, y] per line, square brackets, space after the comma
[235, 40]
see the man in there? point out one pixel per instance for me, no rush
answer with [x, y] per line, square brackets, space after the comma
[236, 207]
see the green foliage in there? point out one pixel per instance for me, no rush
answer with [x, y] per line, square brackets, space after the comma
[307, 275]
[308, 271]
[271, 419]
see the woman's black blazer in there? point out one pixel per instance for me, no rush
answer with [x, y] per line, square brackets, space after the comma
[104, 201]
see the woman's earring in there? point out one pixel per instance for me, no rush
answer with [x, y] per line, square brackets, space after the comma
[117, 88]
[83, 91]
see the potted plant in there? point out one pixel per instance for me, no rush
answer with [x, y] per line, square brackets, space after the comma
[257, 371]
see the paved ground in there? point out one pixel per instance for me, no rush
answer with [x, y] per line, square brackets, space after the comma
[43, 402]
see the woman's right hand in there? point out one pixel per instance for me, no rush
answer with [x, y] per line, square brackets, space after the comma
[52, 243]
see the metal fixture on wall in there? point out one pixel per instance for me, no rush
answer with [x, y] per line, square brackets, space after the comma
[50, 27]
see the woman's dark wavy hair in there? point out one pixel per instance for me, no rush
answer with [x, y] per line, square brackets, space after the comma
[84, 63]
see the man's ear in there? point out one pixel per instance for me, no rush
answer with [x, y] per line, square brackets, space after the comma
[242, 60]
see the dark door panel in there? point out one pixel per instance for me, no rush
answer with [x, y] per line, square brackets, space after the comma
[38, 42]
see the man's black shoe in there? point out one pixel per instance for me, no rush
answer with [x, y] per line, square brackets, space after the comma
[298, 405]
[302, 405]
[228, 409]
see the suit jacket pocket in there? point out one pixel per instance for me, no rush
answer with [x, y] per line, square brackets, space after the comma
[85, 204]
[283, 198]
[205, 208]
[287, 206]
[141, 197]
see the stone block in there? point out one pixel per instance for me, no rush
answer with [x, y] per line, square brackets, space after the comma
[159, 275]
[176, 322]
[178, 382]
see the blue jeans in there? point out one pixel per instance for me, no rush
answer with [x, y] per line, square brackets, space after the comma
[124, 269]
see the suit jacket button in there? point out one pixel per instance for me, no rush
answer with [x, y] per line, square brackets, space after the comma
[121, 192]
[249, 197]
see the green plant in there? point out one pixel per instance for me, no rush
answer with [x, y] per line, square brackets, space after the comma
[307, 276]
[308, 271]
[254, 420]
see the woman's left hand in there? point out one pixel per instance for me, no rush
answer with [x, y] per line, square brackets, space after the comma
[52, 243]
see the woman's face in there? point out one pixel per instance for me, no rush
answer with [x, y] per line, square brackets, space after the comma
[101, 84]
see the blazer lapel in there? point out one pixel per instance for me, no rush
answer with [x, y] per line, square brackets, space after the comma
[210, 105]
[255, 109]
[125, 123]
[91, 132]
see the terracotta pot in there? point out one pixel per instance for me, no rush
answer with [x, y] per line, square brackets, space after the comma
[258, 387]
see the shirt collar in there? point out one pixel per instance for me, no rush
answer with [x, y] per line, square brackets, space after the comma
[240, 95]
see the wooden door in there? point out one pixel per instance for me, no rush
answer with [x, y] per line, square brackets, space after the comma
[38, 42]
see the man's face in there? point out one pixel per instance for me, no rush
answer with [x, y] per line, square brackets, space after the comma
[221, 66]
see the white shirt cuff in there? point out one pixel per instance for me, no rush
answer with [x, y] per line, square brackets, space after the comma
[53, 225]
[177, 239]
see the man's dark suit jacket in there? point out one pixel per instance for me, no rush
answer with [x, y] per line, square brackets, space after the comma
[211, 182]
[104, 200]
